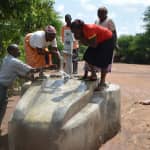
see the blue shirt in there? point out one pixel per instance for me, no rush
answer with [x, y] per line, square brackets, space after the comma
[11, 68]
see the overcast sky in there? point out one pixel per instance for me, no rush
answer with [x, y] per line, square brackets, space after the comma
[127, 14]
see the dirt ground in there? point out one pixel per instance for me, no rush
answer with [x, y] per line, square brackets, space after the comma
[134, 81]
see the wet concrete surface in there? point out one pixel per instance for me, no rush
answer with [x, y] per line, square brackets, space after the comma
[134, 81]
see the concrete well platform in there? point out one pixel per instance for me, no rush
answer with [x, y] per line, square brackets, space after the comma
[58, 114]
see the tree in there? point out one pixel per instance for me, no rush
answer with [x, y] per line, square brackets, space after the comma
[146, 19]
[136, 49]
[19, 17]
[124, 51]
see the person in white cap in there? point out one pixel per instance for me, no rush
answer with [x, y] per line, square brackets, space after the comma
[36, 45]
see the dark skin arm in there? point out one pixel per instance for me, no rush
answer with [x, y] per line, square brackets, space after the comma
[89, 42]
[36, 70]
[30, 74]
[115, 38]
[53, 51]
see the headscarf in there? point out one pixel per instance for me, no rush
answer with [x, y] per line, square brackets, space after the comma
[50, 29]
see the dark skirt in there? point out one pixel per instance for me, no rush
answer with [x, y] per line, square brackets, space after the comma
[102, 55]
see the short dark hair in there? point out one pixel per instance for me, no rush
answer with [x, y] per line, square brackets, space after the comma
[68, 16]
[102, 9]
[77, 24]
[11, 47]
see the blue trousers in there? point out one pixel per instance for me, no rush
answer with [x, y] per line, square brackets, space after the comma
[3, 101]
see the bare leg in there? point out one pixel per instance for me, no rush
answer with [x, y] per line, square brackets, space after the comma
[93, 73]
[56, 53]
[85, 76]
[103, 77]
[102, 83]
[58, 56]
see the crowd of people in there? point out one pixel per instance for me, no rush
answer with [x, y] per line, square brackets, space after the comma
[100, 38]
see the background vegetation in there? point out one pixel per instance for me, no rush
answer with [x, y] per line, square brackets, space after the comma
[136, 49]
[18, 17]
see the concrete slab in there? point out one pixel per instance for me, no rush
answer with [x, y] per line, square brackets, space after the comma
[57, 114]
